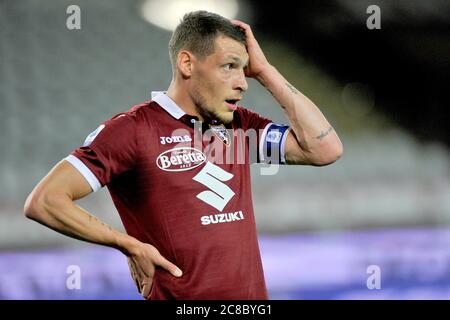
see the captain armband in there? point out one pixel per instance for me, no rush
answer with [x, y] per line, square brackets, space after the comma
[273, 139]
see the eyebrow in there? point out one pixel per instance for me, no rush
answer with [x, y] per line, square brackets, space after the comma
[237, 60]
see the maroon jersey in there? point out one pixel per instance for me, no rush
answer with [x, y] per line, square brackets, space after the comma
[184, 187]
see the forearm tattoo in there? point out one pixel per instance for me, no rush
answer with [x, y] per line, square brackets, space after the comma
[292, 88]
[323, 134]
[99, 221]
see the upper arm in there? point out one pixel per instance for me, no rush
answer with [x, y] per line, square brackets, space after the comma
[66, 177]
[61, 182]
[324, 153]
[293, 153]
[106, 152]
[277, 143]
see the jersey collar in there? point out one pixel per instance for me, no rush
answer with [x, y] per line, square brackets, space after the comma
[161, 98]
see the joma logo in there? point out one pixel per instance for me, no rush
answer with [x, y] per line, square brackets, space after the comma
[175, 139]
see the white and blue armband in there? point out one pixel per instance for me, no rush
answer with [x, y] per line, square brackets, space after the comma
[271, 146]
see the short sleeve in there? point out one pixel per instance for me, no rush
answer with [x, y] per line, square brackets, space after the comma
[107, 152]
[271, 137]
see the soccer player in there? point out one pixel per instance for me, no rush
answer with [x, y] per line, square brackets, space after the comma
[187, 206]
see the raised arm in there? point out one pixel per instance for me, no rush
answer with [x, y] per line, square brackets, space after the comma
[312, 139]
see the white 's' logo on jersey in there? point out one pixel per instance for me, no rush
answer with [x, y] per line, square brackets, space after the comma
[211, 176]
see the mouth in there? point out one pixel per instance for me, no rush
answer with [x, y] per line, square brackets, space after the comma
[231, 103]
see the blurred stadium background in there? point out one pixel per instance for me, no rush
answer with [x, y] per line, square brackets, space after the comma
[385, 203]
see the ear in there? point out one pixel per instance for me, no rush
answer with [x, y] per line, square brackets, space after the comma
[184, 63]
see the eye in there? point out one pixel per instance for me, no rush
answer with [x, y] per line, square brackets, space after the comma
[228, 66]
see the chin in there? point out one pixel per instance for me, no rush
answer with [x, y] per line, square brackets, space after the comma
[225, 117]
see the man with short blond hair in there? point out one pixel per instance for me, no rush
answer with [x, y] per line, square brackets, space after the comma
[189, 220]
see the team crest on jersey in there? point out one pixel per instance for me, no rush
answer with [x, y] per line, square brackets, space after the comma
[222, 133]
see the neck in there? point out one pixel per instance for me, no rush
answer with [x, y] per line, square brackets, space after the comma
[180, 95]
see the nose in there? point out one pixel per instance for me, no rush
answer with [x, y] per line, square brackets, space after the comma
[241, 82]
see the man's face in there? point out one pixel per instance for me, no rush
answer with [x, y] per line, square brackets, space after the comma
[218, 81]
